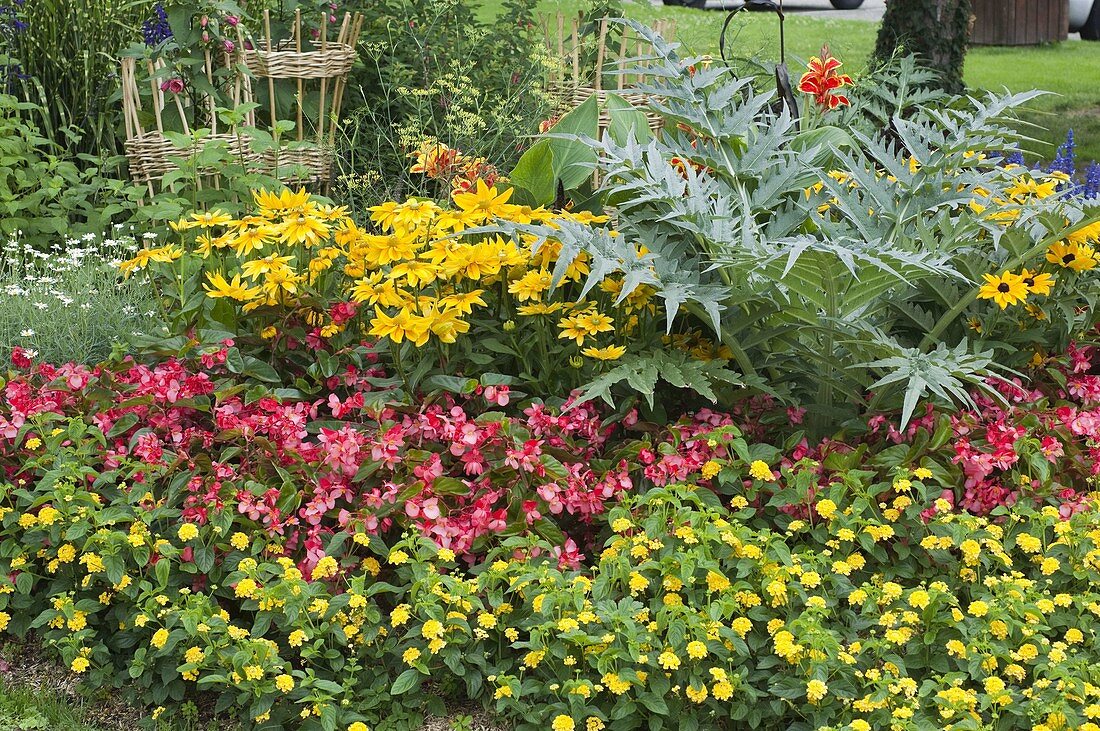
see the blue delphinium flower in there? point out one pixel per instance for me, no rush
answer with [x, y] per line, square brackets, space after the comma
[1091, 187]
[1065, 160]
[10, 18]
[156, 30]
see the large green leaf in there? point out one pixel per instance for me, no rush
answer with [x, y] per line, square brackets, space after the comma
[534, 173]
[626, 121]
[574, 159]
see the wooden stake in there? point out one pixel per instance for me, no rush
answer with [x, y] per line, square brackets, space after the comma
[324, 80]
[298, 48]
[600, 51]
[270, 81]
[157, 98]
[576, 52]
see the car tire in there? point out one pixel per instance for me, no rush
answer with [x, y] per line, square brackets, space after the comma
[1090, 31]
[846, 4]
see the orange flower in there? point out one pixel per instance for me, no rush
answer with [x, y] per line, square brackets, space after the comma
[822, 80]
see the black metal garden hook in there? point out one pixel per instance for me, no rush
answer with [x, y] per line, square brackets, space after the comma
[782, 77]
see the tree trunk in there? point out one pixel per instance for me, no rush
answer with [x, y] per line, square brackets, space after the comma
[937, 31]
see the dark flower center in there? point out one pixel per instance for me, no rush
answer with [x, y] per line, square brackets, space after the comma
[1029, 282]
[1068, 258]
[1002, 287]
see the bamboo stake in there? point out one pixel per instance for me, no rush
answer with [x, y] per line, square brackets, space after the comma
[210, 95]
[270, 81]
[324, 80]
[343, 38]
[561, 41]
[622, 60]
[156, 98]
[127, 101]
[600, 51]
[353, 40]
[576, 52]
[298, 48]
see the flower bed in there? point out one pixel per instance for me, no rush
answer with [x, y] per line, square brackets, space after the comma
[166, 530]
[784, 425]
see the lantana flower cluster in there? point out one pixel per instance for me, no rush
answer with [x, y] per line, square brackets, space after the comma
[163, 523]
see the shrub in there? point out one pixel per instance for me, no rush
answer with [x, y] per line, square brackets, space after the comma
[417, 83]
[42, 194]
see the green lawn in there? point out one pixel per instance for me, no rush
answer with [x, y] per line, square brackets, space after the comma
[1060, 68]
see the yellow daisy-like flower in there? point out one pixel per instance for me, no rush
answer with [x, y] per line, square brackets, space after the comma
[484, 202]
[1007, 289]
[209, 219]
[531, 285]
[235, 289]
[611, 352]
[287, 199]
[1076, 256]
[571, 329]
[303, 229]
[1036, 282]
[540, 309]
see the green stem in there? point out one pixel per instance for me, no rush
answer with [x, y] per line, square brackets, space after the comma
[825, 389]
[395, 350]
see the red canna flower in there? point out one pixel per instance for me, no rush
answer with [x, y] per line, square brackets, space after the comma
[822, 80]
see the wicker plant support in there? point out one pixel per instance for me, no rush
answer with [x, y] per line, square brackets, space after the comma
[148, 151]
[570, 87]
[324, 61]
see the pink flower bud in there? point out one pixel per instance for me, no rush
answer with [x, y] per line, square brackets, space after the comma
[173, 86]
[232, 20]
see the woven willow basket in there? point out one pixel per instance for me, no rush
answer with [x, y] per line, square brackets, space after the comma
[151, 155]
[324, 62]
[285, 62]
[571, 98]
[571, 86]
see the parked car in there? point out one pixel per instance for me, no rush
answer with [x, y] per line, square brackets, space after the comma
[1084, 15]
[700, 4]
[1084, 18]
